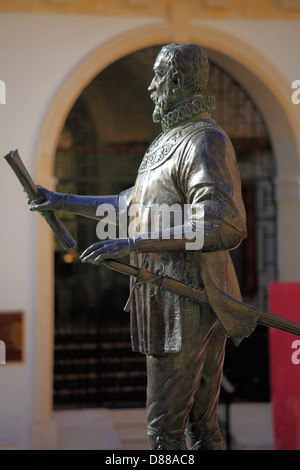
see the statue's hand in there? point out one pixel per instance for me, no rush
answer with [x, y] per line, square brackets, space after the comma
[49, 201]
[106, 249]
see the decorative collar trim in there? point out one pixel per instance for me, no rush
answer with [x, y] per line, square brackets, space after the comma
[187, 110]
[165, 144]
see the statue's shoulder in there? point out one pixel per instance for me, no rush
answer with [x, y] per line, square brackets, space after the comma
[208, 132]
[206, 126]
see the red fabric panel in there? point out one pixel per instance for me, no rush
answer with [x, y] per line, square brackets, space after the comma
[284, 300]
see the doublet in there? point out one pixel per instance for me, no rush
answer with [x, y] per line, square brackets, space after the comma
[189, 167]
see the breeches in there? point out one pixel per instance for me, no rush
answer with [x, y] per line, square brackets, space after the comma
[183, 388]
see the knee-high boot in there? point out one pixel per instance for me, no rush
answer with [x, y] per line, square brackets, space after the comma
[210, 440]
[160, 441]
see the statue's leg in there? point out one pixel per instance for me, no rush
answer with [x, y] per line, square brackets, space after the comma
[173, 380]
[202, 429]
[167, 402]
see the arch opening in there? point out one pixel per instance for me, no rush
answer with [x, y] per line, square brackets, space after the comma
[99, 152]
[45, 171]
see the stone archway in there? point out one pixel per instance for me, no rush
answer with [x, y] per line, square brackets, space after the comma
[225, 49]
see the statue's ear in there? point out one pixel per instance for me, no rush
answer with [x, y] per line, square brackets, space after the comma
[176, 82]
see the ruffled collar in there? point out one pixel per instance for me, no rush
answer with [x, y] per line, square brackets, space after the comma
[196, 107]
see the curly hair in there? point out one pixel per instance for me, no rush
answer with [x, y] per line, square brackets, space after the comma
[190, 62]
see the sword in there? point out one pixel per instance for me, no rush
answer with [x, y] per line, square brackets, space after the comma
[199, 295]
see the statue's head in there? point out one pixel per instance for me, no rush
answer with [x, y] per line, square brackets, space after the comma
[180, 72]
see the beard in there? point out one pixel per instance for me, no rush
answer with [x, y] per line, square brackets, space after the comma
[162, 104]
[161, 107]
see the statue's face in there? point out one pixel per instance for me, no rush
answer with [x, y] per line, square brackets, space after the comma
[161, 89]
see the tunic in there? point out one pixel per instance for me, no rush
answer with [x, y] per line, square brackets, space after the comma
[189, 167]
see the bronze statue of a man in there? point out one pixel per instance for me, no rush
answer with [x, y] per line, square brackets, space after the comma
[190, 168]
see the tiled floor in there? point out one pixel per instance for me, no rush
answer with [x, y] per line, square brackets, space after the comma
[102, 429]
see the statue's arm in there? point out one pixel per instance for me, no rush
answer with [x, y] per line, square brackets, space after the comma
[81, 205]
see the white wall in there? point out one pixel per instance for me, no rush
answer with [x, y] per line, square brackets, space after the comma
[37, 54]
